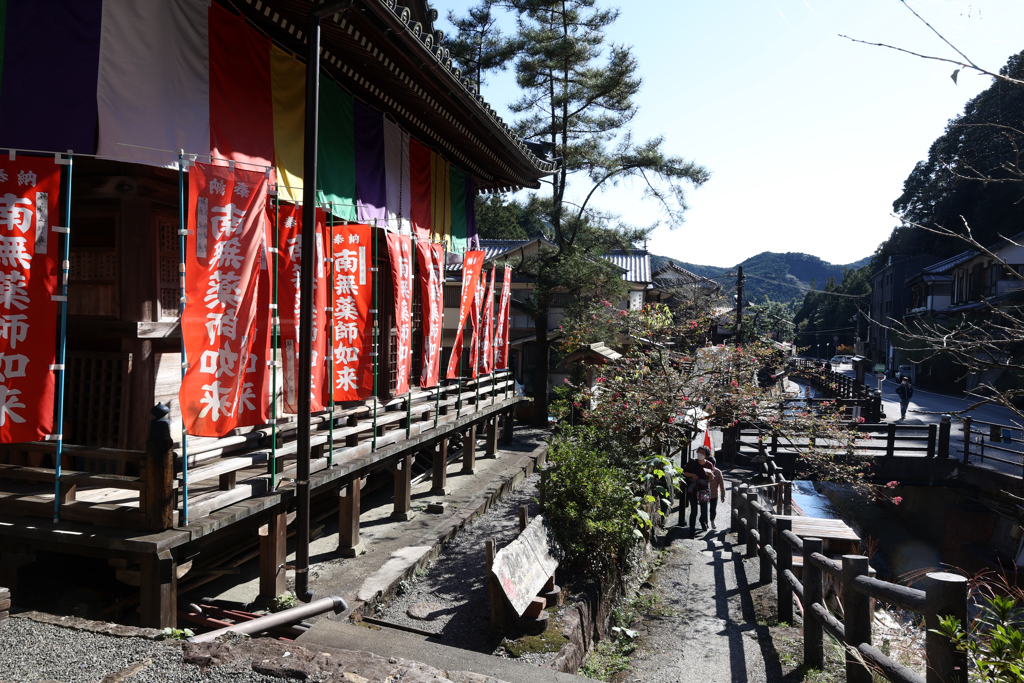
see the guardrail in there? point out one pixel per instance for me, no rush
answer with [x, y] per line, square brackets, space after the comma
[836, 385]
[997, 432]
[772, 540]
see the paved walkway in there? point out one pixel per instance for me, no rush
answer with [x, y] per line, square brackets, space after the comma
[706, 630]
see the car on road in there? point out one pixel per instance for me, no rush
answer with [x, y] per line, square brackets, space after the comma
[841, 360]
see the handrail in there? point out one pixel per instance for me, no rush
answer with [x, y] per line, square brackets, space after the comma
[771, 539]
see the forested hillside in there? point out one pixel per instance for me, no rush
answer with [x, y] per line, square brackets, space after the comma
[778, 277]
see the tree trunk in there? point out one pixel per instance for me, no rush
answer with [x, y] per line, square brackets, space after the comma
[540, 375]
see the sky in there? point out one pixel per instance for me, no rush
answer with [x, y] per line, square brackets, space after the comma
[807, 135]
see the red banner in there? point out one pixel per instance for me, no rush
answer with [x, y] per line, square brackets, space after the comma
[431, 258]
[254, 403]
[471, 263]
[289, 297]
[227, 211]
[501, 334]
[352, 286]
[400, 252]
[29, 189]
[487, 343]
[475, 360]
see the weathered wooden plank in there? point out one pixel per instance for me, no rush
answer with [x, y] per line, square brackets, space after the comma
[524, 566]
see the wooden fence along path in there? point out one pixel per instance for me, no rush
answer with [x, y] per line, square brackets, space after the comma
[146, 490]
[771, 538]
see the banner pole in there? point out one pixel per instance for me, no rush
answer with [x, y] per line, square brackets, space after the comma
[412, 297]
[440, 337]
[275, 328]
[181, 321]
[329, 257]
[58, 418]
[376, 331]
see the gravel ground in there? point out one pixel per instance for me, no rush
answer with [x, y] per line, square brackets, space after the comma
[31, 651]
[456, 579]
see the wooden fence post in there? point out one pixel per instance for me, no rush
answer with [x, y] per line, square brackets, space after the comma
[814, 644]
[933, 431]
[737, 498]
[158, 492]
[750, 497]
[787, 498]
[890, 441]
[494, 593]
[945, 424]
[945, 595]
[764, 530]
[785, 554]
[857, 618]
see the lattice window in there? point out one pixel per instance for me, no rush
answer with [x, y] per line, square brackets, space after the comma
[96, 401]
[168, 259]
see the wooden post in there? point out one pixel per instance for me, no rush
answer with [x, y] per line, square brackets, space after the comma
[890, 441]
[751, 523]
[492, 437]
[495, 595]
[785, 555]
[158, 593]
[439, 474]
[403, 489]
[349, 544]
[945, 595]
[469, 450]
[506, 426]
[737, 495]
[967, 439]
[945, 424]
[524, 518]
[814, 643]
[787, 498]
[764, 529]
[857, 617]
[158, 471]
[273, 555]
[775, 443]
[933, 431]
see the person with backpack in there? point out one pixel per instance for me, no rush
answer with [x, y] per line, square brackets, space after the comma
[905, 390]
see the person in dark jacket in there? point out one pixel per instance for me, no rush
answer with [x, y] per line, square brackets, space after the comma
[905, 390]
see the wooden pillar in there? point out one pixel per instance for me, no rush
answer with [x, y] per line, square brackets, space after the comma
[506, 426]
[764, 530]
[439, 476]
[751, 496]
[349, 544]
[857, 617]
[814, 642]
[403, 489]
[274, 554]
[784, 553]
[158, 592]
[158, 473]
[945, 425]
[492, 437]
[495, 595]
[469, 451]
[945, 595]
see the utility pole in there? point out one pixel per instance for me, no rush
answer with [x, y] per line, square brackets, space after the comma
[739, 305]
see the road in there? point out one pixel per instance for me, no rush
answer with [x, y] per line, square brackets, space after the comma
[927, 407]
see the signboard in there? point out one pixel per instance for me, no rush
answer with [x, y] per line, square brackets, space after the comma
[879, 367]
[524, 566]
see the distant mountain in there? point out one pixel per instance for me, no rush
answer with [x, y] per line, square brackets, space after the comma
[779, 277]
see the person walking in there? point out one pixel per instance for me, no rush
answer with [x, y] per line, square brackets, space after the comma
[698, 488]
[905, 390]
[717, 489]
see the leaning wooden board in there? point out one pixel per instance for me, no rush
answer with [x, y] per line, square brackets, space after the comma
[524, 566]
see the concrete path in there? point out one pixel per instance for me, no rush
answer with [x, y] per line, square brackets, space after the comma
[705, 631]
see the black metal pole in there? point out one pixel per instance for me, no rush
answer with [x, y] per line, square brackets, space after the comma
[306, 272]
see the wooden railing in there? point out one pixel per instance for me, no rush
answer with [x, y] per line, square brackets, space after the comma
[836, 385]
[227, 470]
[885, 439]
[772, 540]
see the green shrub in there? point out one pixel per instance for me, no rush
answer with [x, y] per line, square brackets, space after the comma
[588, 502]
[995, 643]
